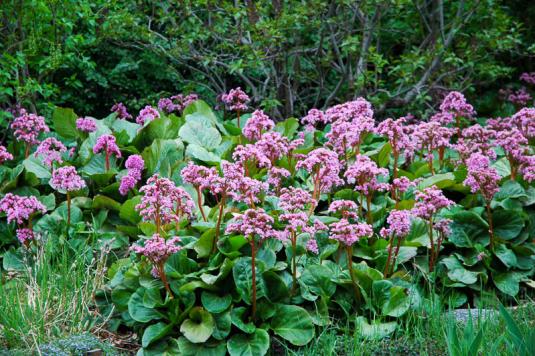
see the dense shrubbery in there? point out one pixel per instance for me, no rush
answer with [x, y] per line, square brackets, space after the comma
[227, 227]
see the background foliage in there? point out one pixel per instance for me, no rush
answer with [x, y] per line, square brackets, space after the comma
[291, 55]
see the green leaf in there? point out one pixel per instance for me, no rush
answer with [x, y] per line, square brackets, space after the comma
[104, 202]
[163, 155]
[317, 279]
[287, 127]
[199, 327]
[276, 288]
[13, 262]
[203, 246]
[34, 165]
[64, 121]
[200, 153]
[137, 309]
[507, 282]
[507, 224]
[398, 303]
[223, 325]
[242, 273]
[128, 210]
[376, 330]
[510, 189]
[126, 129]
[457, 272]
[164, 127]
[256, 344]
[383, 158]
[155, 332]
[238, 320]
[506, 255]
[194, 132]
[442, 180]
[214, 303]
[293, 324]
[188, 348]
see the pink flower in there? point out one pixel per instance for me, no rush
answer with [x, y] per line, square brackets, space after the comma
[443, 118]
[236, 99]
[273, 145]
[525, 122]
[148, 113]
[357, 110]
[25, 235]
[66, 179]
[296, 223]
[347, 233]
[183, 203]
[128, 182]
[253, 222]
[176, 103]
[513, 143]
[51, 150]
[364, 173]
[528, 77]
[251, 155]
[399, 224]
[429, 202]
[324, 166]
[395, 132]
[456, 104]
[135, 165]
[528, 168]
[157, 249]
[27, 127]
[520, 97]
[121, 111]
[347, 208]
[402, 184]
[443, 226]
[275, 177]
[313, 118]
[157, 203]
[86, 124]
[5, 155]
[312, 246]
[431, 136]
[256, 125]
[481, 177]
[107, 143]
[476, 139]
[199, 176]
[295, 199]
[19, 208]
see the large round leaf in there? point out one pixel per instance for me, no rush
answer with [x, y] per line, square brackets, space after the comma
[256, 344]
[155, 332]
[214, 303]
[137, 309]
[294, 324]
[199, 327]
[188, 348]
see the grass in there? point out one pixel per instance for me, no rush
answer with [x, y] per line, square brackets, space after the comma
[51, 298]
[425, 333]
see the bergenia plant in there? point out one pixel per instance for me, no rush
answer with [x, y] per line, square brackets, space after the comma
[66, 180]
[108, 144]
[27, 128]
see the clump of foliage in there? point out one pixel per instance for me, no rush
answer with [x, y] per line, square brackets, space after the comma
[225, 232]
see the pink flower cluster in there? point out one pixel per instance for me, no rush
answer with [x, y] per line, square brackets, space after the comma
[256, 125]
[528, 77]
[312, 246]
[399, 224]
[524, 120]
[176, 102]
[347, 208]
[86, 124]
[25, 235]
[148, 113]
[455, 103]
[236, 99]
[20, 208]
[157, 249]
[5, 155]
[108, 144]
[273, 145]
[120, 110]
[429, 202]
[135, 166]
[476, 139]
[481, 177]
[251, 155]
[199, 176]
[51, 150]
[27, 127]
[520, 97]
[313, 118]
[364, 173]
[396, 133]
[348, 233]
[356, 110]
[324, 166]
[431, 136]
[253, 222]
[443, 226]
[276, 176]
[401, 185]
[66, 179]
[295, 199]
[163, 202]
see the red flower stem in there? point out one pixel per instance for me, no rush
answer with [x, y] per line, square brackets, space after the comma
[27, 150]
[218, 224]
[68, 210]
[369, 216]
[294, 265]
[389, 255]
[199, 202]
[491, 225]
[396, 254]
[432, 254]
[163, 277]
